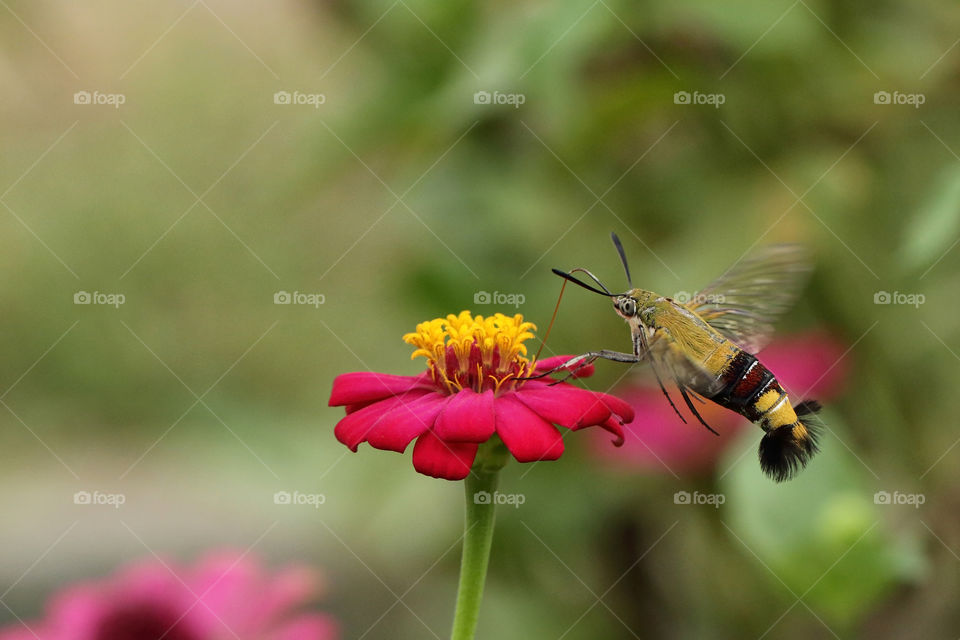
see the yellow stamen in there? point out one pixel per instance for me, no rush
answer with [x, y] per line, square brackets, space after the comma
[486, 352]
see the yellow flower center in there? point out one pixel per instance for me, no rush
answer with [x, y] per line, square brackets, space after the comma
[466, 352]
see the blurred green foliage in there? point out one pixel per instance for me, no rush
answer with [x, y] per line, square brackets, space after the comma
[399, 199]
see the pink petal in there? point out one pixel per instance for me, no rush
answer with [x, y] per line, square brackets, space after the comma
[366, 386]
[350, 408]
[448, 460]
[353, 429]
[78, 607]
[287, 590]
[468, 417]
[620, 408]
[228, 581]
[147, 580]
[528, 436]
[407, 421]
[614, 426]
[555, 361]
[307, 627]
[567, 406]
[573, 407]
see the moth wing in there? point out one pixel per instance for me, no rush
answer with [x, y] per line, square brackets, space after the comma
[690, 377]
[670, 350]
[744, 302]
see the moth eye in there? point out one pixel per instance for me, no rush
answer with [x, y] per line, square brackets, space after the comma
[628, 306]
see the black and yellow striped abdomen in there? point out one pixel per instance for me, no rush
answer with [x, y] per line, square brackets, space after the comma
[750, 389]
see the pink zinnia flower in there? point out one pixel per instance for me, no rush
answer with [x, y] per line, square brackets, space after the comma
[472, 391]
[809, 364]
[224, 596]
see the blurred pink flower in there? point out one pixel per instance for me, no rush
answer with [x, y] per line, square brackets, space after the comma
[807, 365]
[224, 596]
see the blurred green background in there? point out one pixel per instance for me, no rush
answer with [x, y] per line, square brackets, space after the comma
[402, 196]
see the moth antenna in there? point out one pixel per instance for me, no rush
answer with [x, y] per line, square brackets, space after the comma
[567, 276]
[623, 257]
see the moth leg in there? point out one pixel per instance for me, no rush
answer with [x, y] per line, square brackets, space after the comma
[686, 398]
[589, 357]
[638, 355]
[616, 356]
[578, 362]
[641, 348]
[683, 392]
[667, 395]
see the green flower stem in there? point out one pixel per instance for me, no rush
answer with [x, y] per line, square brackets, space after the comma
[479, 486]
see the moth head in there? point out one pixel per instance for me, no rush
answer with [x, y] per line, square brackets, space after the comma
[625, 306]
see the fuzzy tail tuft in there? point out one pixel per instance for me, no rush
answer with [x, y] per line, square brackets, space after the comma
[806, 408]
[786, 450]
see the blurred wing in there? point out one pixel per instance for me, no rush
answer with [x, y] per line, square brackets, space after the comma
[743, 303]
[671, 361]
